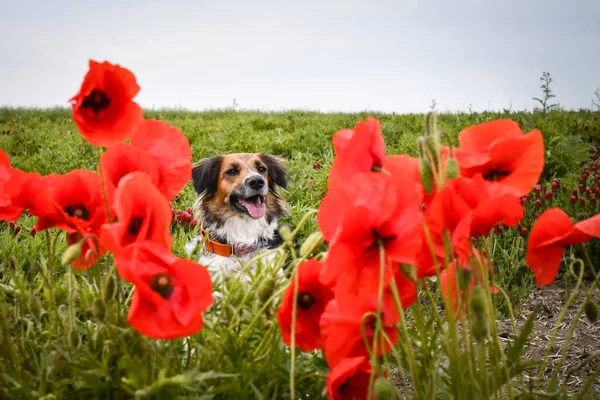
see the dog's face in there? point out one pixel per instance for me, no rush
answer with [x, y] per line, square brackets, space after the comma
[245, 184]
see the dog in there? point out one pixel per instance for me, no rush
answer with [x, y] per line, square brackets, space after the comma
[238, 205]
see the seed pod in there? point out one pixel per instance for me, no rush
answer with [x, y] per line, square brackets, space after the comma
[265, 289]
[383, 389]
[426, 174]
[312, 242]
[591, 311]
[452, 170]
[35, 306]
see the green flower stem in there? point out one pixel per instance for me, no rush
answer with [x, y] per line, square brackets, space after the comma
[491, 312]
[412, 364]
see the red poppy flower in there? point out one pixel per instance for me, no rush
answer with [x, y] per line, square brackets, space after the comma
[74, 203]
[12, 181]
[171, 152]
[551, 233]
[341, 327]
[470, 203]
[503, 154]
[170, 293]
[122, 159]
[363, 150]
[349, 380]
[471, 269]
[103, 110]
[311, 301]
[353, 261]
[144, 214]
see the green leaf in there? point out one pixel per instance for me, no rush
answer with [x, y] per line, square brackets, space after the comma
[516, 348]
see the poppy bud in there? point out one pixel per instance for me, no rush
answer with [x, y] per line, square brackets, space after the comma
[99, 309]
[285, 233]
[74, 338]
[109, 287]
[591, 311]
[452, 170]
[431, 124]
[72, 253]
[383, 389]
[464, 279]
[35, 306]
[426, 174]
[478, 302]
[312, 242]
[265, 289]
[479, 329]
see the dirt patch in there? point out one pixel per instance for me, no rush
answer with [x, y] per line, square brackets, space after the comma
[584, 342]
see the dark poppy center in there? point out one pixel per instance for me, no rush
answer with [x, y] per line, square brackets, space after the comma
[134, 225]
[305, 300]
[378, 239]
[495, 175]
[97, 101]
[342, 388]
[78, 211]
[163, 285]
[377, 168]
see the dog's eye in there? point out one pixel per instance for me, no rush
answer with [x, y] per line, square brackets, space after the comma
[231, 172]
[262, 169]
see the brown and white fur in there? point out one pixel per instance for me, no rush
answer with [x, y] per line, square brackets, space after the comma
[238, 203]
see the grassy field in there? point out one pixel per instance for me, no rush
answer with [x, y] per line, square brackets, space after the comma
[47, 141]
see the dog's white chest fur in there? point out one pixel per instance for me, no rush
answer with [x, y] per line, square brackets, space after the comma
[237, 231]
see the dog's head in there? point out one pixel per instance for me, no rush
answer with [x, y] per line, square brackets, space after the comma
[244, 184]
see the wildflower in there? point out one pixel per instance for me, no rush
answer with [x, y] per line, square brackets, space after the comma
[74, 203]
[552, 232]
[13, 189]
[171, 152]
[312, 297]
[349, 379]
[390, 219]
[122, 159]
[342, 327]
[104, 110]
[490, 149]
[143, 215]
[465, 207]
[170, 293]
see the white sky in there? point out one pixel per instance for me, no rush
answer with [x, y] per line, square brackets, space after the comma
[319, 55]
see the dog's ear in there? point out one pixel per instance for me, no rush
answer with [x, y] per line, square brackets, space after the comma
[205, 175]
[276, 169]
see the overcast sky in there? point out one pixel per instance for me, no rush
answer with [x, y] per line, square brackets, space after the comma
[322, 55]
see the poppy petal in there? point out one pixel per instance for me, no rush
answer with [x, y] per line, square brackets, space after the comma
[171, 151]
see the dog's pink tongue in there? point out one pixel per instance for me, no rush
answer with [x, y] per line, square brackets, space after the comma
[255, 209]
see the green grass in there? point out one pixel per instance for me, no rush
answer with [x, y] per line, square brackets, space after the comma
[236, 355]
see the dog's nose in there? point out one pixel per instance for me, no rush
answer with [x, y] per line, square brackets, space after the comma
[256, 182]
